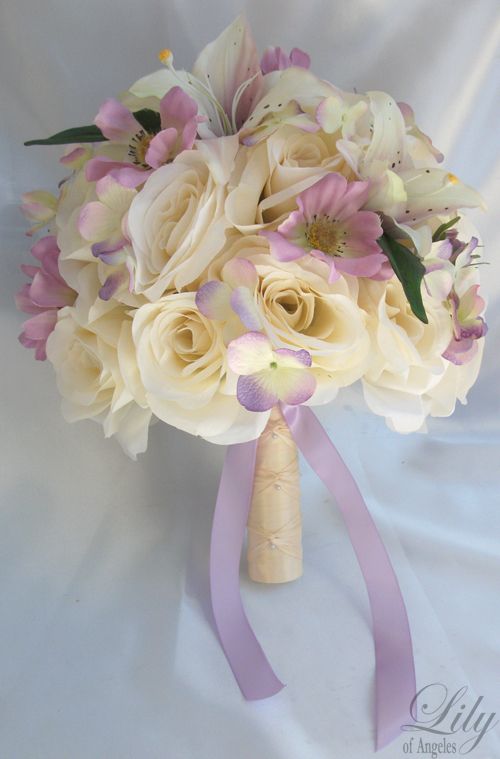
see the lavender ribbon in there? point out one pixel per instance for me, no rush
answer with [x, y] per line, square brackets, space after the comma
[243, 651]
[394, 666]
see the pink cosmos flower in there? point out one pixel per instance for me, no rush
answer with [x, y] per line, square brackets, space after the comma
[269, 376]
[275, 59]
[43, 296]
[329, 225]
[179, 125]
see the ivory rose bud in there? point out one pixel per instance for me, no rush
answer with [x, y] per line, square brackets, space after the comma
[407, 366]
[182, 363]
[97, 376]
[176, 222]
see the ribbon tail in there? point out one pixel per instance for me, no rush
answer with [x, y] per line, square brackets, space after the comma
[243, 651]
[394, 665]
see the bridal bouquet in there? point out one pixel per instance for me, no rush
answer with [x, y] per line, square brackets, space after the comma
[236, 243]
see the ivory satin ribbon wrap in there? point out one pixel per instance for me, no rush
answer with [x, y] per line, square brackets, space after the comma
[395, 685]
[274, 528]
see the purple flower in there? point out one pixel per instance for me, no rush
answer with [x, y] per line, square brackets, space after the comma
[269, 376]
[43, 296]
[146, 151]
[468, 325]
[329, 225]
[275, 59]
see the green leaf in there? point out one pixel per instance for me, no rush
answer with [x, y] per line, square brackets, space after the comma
[440, 233]
[409, 269]
[90, 133]
[148, 119]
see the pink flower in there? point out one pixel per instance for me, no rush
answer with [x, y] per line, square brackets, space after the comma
[231, 299]
[330, 226]
[468, 325]
[40, 207]
[275, 59]
[43, 296]
[179, 125]
[269, 376]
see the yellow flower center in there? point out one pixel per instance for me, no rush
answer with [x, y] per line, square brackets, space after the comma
[139, 147]
[165, 56]
[324, 234]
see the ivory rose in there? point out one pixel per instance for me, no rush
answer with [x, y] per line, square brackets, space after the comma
[176, 222]
[97, 377]
[182, 363]
[268, 176]
[301, 311]
[408, 377]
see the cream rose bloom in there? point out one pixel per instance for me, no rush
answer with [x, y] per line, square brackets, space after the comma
[97, 375]
[268, 176]
[182, 363]
[300, 310]
[176, 222]
[408, 378]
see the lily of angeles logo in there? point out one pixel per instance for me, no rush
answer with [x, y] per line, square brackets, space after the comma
[436, 711]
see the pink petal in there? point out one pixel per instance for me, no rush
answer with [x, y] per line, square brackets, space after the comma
[95, 222]
[281, 248]
[300, 58]
[47, 244]
[240, 272]
[24, 302]
[130, 177]
[100, 166]
[188, 134]
[112, 284]
[297, 387]
[323, 197]
[177, 109]
[254, 393]
[116, 122]
[50, 293]
[160, 147]
[40, 326]
[293, 359]
[460, 352]
[274, 59]
[355, 196]
[364, 266]
[243, 304]
[213, 300]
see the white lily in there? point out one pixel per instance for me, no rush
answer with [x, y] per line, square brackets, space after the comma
[225, 82]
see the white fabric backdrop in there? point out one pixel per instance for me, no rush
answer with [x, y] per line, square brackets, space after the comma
[105, 648]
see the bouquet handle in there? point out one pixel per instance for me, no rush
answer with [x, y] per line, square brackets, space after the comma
[274, 527]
